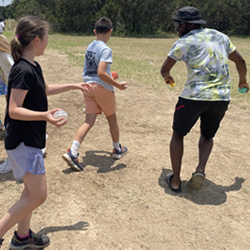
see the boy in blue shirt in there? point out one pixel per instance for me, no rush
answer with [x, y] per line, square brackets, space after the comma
[99, 93]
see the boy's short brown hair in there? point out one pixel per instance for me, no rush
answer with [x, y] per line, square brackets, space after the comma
[103, 25]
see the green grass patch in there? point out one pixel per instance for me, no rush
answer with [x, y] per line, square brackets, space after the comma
[135, 59]
[9, 34]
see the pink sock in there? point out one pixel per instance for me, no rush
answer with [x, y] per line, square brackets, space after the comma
[23, 237]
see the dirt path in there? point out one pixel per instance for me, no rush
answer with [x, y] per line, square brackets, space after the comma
[126, 204]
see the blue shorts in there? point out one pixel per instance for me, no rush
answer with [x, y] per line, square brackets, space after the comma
[187, 112]
[3, 88]
[25, 159]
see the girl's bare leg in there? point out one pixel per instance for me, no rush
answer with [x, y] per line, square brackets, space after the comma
[34, 194]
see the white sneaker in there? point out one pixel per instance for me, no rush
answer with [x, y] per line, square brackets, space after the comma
[5, 167]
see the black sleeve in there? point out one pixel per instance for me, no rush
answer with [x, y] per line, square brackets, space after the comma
[23, 79]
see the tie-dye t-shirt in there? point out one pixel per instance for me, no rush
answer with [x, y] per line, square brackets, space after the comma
[205, 52]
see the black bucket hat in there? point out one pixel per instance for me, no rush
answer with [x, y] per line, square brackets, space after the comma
[189, 15]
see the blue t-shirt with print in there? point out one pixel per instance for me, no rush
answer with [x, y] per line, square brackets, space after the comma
[97, 52]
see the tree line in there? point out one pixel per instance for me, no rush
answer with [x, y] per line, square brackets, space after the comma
[133, 17]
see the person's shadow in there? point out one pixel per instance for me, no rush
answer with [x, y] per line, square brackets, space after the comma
[80, 226]
[210, 194]
[99, 159]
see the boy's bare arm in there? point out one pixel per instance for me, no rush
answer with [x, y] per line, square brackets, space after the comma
[103, 75]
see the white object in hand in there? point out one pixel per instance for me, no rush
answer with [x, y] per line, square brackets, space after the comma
[61, 114]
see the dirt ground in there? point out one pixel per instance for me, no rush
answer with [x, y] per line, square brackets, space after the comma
[126, 204]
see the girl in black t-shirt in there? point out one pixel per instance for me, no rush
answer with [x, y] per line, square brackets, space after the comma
[25, 128]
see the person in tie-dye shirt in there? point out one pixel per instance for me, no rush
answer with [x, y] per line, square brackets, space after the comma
[206, 94]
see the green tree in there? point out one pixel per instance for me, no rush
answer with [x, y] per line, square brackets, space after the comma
[134, 17]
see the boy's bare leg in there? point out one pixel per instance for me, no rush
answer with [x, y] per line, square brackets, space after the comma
[85, 127]
[114, 128]
[71, 157]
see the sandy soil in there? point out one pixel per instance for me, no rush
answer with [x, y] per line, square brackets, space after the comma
[126, 204]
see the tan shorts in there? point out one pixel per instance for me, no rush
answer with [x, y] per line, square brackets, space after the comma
[98, 100]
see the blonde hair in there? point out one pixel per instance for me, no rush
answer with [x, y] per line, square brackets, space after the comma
[27, 29]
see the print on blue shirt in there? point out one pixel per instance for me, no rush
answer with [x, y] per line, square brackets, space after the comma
[91, 66]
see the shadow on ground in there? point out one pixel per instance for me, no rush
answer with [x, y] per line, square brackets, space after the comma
[210, 194]
[99, 159]
[80, 226]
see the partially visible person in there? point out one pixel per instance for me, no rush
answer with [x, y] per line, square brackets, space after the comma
[206, 94]
[6, 61]
[25, 129]
[99, 93]
[2, 25]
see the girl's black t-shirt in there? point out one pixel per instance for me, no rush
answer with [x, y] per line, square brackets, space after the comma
[26, 76]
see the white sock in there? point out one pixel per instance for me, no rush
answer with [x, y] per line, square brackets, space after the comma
[117, 146]
[75, 148]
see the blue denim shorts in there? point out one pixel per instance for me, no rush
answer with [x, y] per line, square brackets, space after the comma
[25, 159]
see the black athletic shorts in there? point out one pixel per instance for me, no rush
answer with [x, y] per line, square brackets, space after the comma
[187, 112]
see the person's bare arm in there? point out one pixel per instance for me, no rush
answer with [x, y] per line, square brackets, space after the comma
[103, 75]
[18, 112]
[241, 68]
[57, 89]
[165, 70]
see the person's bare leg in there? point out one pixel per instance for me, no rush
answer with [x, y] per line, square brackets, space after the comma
[71, 157]
[85, 127]
[205, 149]
[24, 225]
[113, 127]
[34, 194]
[176, 153]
